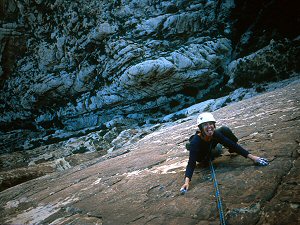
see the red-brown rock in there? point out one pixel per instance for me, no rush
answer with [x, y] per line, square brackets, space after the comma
[142, 185]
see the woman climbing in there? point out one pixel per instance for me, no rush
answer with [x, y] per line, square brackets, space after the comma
[204, 146]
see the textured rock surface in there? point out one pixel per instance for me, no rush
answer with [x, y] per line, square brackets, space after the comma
[69, 149]
[80, 79]
[68, 67]
[141, 185]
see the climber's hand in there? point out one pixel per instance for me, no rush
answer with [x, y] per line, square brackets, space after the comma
[183, 190]
[185, 187]
[261, 162]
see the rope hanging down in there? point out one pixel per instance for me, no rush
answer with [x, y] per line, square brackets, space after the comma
[218, 196]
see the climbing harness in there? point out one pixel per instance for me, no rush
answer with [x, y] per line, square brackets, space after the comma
[218, 196]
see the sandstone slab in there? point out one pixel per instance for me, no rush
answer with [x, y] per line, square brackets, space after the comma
[141, 186]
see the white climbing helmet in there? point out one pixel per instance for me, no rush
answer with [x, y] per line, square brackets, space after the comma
[205, 117]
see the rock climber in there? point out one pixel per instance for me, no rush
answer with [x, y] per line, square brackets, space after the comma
[205, 146]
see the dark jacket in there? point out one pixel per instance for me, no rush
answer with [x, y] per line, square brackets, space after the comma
[200, 150]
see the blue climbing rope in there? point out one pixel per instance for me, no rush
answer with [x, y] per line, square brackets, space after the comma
[218, 196]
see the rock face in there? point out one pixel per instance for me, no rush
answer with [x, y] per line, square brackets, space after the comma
[83, 79]
[72, 67]
[141, 185]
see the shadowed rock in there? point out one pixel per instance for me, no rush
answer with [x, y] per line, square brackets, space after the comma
[68, 66]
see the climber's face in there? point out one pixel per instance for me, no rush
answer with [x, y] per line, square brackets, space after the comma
[209, 128]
